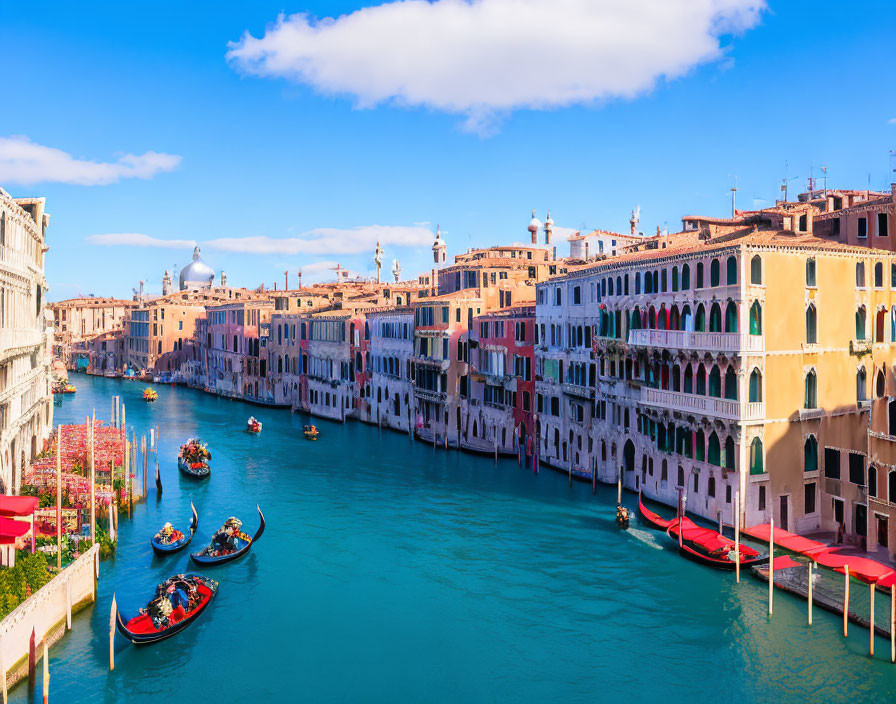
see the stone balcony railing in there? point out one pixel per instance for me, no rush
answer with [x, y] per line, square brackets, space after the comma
[687, 339]
[18, 340]
[580, 390]
[707, 405]
[426, 394]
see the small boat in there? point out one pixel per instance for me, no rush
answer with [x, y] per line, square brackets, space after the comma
[652, 519]
[244, 544]
[150, 395]
[622, 517]
[193, 459]
[711, 548]
[141, 630]
[311, 433]
[160, 548]
[65, 388]
[253, 426]
[196, 470]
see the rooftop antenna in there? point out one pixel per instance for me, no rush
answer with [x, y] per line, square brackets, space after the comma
[299, 272]
[734, 197]
[286, 280]
[824, 176]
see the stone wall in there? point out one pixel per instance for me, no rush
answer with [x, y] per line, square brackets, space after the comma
[48, 612]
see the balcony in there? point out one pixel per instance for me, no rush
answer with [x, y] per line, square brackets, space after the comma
[586, 392]
[427, 395]
[705, 405]
[19, 341]
[860, 347]
[689, 340]
[441, 364]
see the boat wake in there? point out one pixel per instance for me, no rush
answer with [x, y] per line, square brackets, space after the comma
[648, 537]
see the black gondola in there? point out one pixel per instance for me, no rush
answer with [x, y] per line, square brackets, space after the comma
[201, 472]
[160, 548]
[243, 546]
[141, 630]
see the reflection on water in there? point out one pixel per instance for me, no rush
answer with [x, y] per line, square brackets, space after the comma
[390, 572]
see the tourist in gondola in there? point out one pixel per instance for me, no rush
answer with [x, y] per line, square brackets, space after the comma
[168, 534]
[159, 609]
[622, 516]
[224, 539]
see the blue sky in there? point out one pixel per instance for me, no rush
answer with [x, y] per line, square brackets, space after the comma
[309, 141]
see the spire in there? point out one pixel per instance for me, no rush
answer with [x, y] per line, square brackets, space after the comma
[396, 270]
[548, 228]
[378, 260]
[635, 220]
[439, 248]
[534, 227]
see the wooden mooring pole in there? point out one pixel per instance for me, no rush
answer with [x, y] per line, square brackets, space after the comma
[32, 658]
[737, 536]
[46, 681]
[59, 498]
[93, 480]
[871, 641]
[112, 635]
[845, 601]
[771, 565]
[810, 593]
[893, 623]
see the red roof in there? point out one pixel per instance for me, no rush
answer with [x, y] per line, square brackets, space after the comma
[10, 528]
[18, 505]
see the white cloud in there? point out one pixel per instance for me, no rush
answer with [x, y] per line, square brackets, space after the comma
[135, 239]
[25, 162]
[891, 121]
[328, 241]
[322, 241]
[484, 58]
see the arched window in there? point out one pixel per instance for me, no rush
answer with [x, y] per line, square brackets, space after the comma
[700, 319]
[637, 283]
[861, 384]
[715, 273]
[872, 481]
[687, 319]
[715, 381]
[860, 275]
[699, 282]
[688, 380]
[701, 380]
[728, 457]
[810, 272]
[715, 318]
[714, 450]
[686, 277]
[700, 446]
[610, 283]
[680, 476]
[756, 270]
[755, 318]
[879, 324]
[811, 325]
[811, 396]
[663, 281]
[656, 284]
[730, 384]
[731, 317]
[711, 487]
[878, 275]
[731, 271]
[891, 485]
[880, 384]
[674, 278]
[755, 386]
[648, 282]
[860, 323]
[810, 454]
[756, 463]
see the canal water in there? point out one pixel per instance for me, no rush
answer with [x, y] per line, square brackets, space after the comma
[390, 572]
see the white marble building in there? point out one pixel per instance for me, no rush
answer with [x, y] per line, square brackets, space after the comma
[26, 409]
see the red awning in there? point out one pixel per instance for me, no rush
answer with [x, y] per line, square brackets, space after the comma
[862, 567]
[10, 528]
[18, 505]
[784, 539]
[782, 562]
[710, 540]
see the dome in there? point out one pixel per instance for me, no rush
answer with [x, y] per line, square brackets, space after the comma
[535, 224]
[549, 223]
[196, 274]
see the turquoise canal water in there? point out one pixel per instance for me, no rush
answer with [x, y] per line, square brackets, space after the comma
[393, 573]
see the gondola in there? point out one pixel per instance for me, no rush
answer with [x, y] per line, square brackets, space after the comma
[200, 472]
[150, 395]
[652, 519]
[243, 546]
[160, 548]
[311, 433]
[710, 548]
[140, 629]
[253, 428]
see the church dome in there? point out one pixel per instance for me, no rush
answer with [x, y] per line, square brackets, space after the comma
[196, 274]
